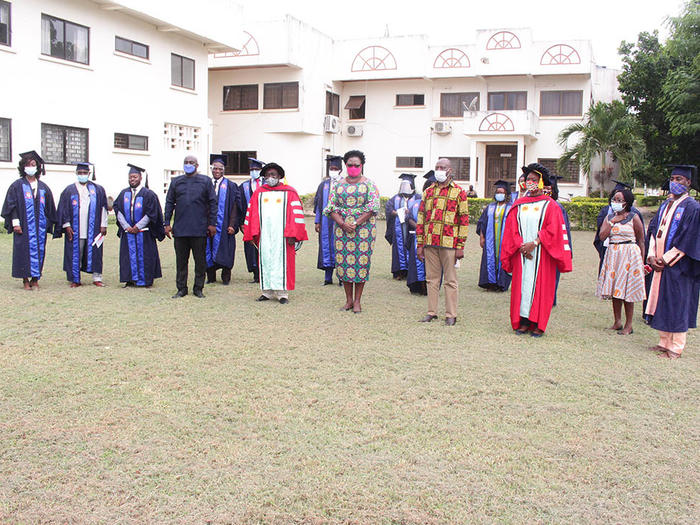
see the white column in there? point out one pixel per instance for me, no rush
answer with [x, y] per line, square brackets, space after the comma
[472, 162]
[520, 159]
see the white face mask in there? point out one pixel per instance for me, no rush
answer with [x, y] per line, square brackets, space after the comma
[335, 175]
[30, 170]
[440, 175]
[617, 207]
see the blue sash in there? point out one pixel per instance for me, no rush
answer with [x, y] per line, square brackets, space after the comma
[92, 219]
[420, 265]
[135, 241]
[75, 266]
[675, 221]
[399, 241]
[327, 235]
[493, 262]
[213, 244]
[34, 251]
[41, 236]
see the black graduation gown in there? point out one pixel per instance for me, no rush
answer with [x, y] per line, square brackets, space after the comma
[326, 237]
[37, 218]
[677, 306]
[68, 211]
[221, 249]
[415, 279]
[491, 274]
[396, 234]
[251, 252]
[139, 261]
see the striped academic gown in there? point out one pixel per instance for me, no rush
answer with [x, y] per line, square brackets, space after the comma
[326, 237]
[221, 248]
[275, 214]
[37, 218]
[553, 253]
[416, 267]
[491, 272]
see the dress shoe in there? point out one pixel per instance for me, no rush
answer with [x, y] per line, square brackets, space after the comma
[326, 283]
[180, 293]
[198, 294]
[99, 284]
[74, 285]
[284, 300]
[428, 318]
[129, 284]
[450, 321]
[225, 283]
[262, 298]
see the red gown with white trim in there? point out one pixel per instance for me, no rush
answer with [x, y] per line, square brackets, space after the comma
[275, 215]
[553, 253]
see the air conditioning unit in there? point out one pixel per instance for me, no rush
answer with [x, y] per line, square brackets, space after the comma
[331, 124]
[354, 131]
[442, 128]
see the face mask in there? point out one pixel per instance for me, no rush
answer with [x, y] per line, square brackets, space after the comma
[617, 207]
[254, 174]
[272, 181]
[500, 197]
[531, 185]
[30, 170]
[354, 171]
[189, 168]
[677, 188]
[82, 179]
[335, 175]
[522, 185]
[440, 175]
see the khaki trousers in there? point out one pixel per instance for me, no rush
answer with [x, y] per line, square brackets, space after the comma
[440, 262]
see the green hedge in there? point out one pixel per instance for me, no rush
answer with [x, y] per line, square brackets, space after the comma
[308, 202]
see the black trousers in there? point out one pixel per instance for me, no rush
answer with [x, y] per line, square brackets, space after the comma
[183, 246]
[225, 273]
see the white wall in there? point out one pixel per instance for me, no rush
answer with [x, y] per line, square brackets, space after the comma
[114, 93]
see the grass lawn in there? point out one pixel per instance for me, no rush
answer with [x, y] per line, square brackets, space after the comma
[126, 406]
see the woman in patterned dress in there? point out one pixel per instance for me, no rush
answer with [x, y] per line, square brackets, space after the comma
[353, 205]
[622, 273]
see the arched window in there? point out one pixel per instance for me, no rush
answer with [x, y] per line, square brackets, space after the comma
[503, 40]
[560, 54]
[451, 58]
[496, 122]
[249, 49]
[373, 58]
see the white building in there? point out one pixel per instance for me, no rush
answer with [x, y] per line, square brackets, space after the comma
[293, 95]
[108, 82]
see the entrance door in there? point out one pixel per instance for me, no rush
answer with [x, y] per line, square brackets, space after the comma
[501, 164]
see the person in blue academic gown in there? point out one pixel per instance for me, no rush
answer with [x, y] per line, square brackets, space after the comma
[602, 246]
[30, 214]
[674, 255]
[221, 248]
[325, 226]
[396, 226]
[245, 193]
[82, 217]
[415, 279]
[490, 230]
[429, 179]
[553, 191]
[140, 225]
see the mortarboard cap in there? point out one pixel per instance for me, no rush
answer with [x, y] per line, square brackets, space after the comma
[215, 157]
[334, 161]
[85, 166]
[502, 184]
[430, 175]
[255, 164]
[135, 169]
[689, 171]
[619, 185]
[28, 155]
[410, 178]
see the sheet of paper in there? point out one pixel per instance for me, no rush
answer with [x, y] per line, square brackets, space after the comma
[401, 213]
[98, 240]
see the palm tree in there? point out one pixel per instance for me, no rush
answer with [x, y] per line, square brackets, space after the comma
[607, 129]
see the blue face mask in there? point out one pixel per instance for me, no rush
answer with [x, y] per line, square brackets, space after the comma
[254, 174]
[500, 197]
[189, 168]
[82, 179]
[617, 207]
[677, 188]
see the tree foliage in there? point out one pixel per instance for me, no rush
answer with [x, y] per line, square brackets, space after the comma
[607, 128]
[660, 83]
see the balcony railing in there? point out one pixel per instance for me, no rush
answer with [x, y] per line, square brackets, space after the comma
[505, 122]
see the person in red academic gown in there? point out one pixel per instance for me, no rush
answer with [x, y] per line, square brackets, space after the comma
[275, 223]
[535, 244]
